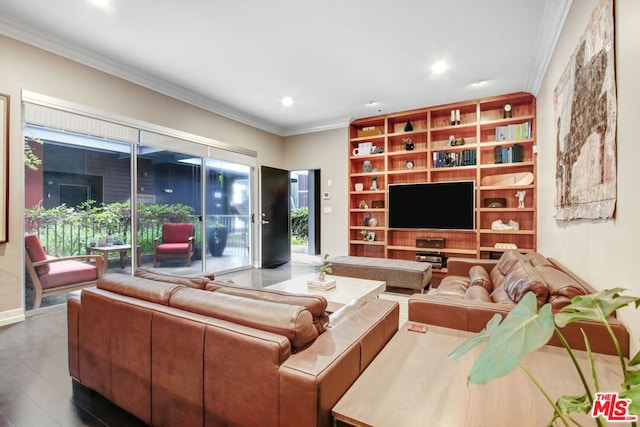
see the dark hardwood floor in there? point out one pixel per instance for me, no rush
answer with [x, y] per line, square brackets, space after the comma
[35, 387]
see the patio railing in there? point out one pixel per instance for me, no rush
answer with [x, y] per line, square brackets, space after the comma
[71, 235]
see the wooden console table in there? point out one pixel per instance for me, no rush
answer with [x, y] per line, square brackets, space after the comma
[413, 382]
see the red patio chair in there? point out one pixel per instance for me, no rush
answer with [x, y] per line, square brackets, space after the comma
[177, 242]
[57, 275]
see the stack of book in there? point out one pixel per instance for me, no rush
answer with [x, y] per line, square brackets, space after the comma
[442, 159]
[321, 286]
[513, 132]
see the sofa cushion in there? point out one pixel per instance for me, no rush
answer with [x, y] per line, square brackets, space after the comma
[316, 304]
[477, 293]
[290, 321]
[63, 273]
[479, 277]
[453, 286]
[500, 296]
[36, 252]
[502, 267]
[537, 259]
[154, 274]
[523, 278]
[507, 261]
[138, 287]
[562, 287]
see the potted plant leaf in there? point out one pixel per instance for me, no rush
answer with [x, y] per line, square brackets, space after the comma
[324, 268]
[525, 329]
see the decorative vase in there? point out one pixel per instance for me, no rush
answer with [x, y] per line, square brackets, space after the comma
[409, 145]
[408, 127]
[366, 167]
[322, 276]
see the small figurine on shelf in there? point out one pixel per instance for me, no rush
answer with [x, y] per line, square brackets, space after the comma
[374, 183]
[366, 167]
[363, 205]
[408, 144]
[368, 236]
[520, 195]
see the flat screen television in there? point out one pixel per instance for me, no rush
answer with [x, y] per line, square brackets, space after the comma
[432, 205]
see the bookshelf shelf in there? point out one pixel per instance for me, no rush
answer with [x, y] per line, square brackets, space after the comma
[486, 132]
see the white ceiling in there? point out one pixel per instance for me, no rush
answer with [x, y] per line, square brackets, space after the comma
[239, 58]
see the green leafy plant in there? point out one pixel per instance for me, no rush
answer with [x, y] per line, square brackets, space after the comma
[31, 159]
[325, 267]
[525, 329]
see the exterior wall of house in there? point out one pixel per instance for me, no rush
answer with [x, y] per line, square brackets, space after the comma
[604, 253]
[27, 68]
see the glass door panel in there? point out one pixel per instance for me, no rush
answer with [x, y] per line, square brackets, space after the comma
[169, 208]
[228, 215]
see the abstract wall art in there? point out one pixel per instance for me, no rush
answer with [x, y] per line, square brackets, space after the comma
[585, 113]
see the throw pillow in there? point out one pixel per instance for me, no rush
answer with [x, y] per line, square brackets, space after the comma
[523, 278]
[479, 277]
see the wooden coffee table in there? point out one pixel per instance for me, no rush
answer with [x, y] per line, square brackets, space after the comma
[413, 382]
[347, 290]
[106, 250]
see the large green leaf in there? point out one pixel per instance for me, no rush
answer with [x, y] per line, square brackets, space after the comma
[523, 330]
[480, 338]
[634, 395]
[570, 404]
[596, 307]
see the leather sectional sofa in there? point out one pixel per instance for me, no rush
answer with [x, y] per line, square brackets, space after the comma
[190, 351]
[475, 289]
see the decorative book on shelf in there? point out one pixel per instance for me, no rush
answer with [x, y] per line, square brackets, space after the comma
[321, 286]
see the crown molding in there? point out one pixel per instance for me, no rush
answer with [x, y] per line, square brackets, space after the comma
[119, 69]
[338, 123]
[553, 19]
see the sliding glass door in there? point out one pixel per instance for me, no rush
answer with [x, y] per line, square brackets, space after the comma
[81, 174]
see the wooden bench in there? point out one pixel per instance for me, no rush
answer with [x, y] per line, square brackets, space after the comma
[397, 273]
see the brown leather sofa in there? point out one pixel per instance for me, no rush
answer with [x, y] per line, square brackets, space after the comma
[188, 351]
[475, 289]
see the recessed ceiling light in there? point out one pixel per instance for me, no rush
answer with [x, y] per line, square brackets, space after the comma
[439, 67]
[479, 83]
[372, 103]
[102, 4]
[287, 101]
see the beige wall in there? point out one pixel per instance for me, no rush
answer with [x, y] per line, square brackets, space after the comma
[326, 151]
[27, 68]
[602, 252]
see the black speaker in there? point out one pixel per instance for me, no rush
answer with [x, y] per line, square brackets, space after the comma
[425, 242]
[495, 202]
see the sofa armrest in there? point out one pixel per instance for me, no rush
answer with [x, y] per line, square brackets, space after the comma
[458, 266]
[317, 377]
[473, 315]
[599, 338]
[73, 323]
[453, 312]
